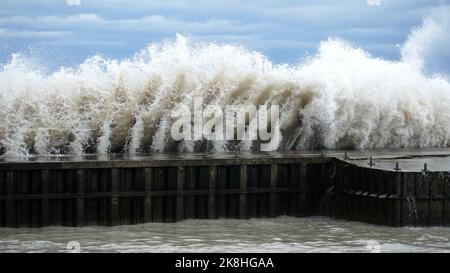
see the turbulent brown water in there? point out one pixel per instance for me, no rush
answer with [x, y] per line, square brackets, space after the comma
[341, 97]
[283, 234]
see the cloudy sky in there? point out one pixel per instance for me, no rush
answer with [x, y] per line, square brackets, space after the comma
[65, 32]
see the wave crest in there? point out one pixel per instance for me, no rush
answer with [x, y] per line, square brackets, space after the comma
[339, 98]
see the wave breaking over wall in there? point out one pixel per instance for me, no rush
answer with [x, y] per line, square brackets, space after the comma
[339, 98]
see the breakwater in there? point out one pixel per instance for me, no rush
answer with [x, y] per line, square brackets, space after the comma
[70, 191]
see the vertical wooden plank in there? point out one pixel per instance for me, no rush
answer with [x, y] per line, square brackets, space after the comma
[104, 202]
[212, 191]
[335, 203]
[221, 183]
[160, 175]
[436, 196]
[114, 197]
[342, 196]
[395, 203]
[36, 205]
[66, 183]
[401, 194]
[190, 177]
[80, 198]
[10, 209]
[421, 198]
[23, 210]
[428, 181]
[93, 204]
[170, 202]
[180, 196]
[10, 218]
[446, 203]
[303, 185]
[273, 187]
[148, 198]
[253, 177]
[243, 195]
[410, 210]
[45, 202]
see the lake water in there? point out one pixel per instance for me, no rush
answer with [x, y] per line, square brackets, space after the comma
[282, 234]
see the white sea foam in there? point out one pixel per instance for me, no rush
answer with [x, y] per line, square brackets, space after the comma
[340, 98]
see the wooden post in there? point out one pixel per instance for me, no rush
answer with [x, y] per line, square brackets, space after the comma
[445, 210]
[221, 182]
[180, 196]
[190, 176]
[243, 195]
[212, 189]
[80, 200]
[45, 201]
[105, 202]
[158, 185]
[303, 210]
[273, 186]
[114, 197]
[10, 209]
[148, 199]
[394, 204]
[429, 184]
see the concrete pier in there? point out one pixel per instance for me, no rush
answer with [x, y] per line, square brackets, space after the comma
[396, 189]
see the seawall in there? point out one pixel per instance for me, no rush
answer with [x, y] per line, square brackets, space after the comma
[66, 191]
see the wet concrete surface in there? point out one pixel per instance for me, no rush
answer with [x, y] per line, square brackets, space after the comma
[437, 159]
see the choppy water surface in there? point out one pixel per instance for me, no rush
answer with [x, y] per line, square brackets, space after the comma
[283, 234]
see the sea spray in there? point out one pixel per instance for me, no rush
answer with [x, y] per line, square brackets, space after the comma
[339, 98]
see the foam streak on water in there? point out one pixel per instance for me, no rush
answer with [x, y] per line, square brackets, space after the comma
[339, 98]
